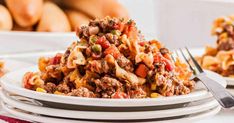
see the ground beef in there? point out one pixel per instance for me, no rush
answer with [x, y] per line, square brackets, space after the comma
[181, 90]
[107, 24]
[229, 29]
[82, 92]
[107, 86]
[124, 50]
[63, 88]
[53, 71]
[227, 45]
[139, 92]
[113, 39]
[98, 66]
[50, 87]
[125, 63]
[150, 76]
[83, 31]
[164, 51]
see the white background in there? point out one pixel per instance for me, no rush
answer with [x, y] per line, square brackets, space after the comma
[179, 23]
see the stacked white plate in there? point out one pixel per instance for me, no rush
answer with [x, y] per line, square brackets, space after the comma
[230, 84]
[43, 107]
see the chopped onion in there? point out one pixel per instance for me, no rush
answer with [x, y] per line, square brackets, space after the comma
[131, 77]
[76, 58]
[148, 59]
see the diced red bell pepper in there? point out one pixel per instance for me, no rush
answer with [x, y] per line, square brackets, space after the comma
[103, 42]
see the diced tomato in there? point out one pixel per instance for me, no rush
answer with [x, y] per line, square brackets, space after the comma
[168, 65]
[119, 95]
[142, 43]
[112, 50]
[142, 71]
[56, 60]
[103, 42]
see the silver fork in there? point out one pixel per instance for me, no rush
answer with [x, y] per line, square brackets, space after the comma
[225, 99]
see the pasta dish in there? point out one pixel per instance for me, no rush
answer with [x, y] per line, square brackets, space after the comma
[111, 60]
[220, 59]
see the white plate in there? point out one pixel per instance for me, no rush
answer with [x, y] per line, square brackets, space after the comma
[192, 108]
[230, 81]
[12, 82]
[200, 52]
[231, 90]
[38, 118]
[12, 65]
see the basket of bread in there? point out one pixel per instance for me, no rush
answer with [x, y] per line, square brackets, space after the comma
[55, 15]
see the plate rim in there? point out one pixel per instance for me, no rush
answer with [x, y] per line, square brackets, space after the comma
[63, 113]
[29, 117]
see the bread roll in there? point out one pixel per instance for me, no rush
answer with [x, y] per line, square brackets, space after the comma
[5, 19]
[53, 19]
[97, 8]
[76, 18]
[25, 12]
[16, 27]
[2, 2]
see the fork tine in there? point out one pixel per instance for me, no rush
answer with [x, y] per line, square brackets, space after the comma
[173, 58]
[190, 66]
[194, 61]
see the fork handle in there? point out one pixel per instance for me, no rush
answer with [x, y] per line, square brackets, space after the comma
[224, 98]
